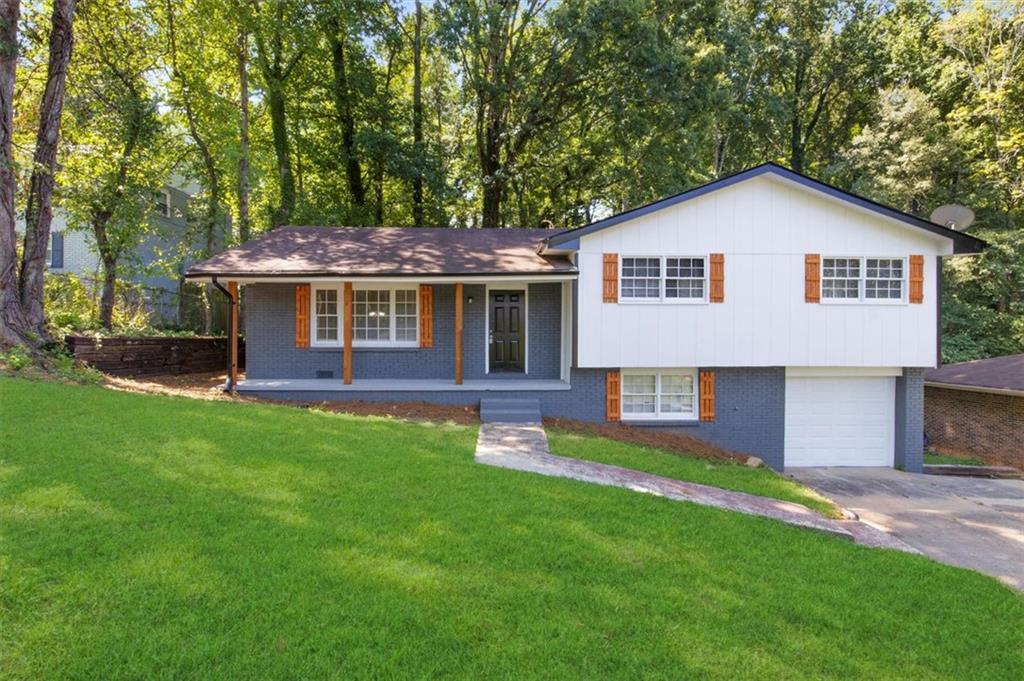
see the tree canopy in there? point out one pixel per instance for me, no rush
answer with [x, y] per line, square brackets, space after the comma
[486, 113]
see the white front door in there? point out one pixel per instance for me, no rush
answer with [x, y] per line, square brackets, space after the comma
[840, 421]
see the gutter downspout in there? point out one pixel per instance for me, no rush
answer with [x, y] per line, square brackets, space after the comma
[229, 386]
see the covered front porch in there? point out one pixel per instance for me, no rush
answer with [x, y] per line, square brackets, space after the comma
[388, 335]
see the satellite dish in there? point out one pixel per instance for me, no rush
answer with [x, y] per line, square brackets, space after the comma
[954, 216]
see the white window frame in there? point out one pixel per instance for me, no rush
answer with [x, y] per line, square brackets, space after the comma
[862, 298]
[313, 342]
[663, 275]
[658, 415]
[392, 316]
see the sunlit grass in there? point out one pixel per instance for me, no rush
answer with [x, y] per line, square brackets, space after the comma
[761, 481]
[157, 537]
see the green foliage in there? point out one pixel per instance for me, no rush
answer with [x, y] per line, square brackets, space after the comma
[16, 358]
[72, 307]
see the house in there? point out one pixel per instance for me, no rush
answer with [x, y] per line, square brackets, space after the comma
[73, 250]
[976, 409]
[765, 312]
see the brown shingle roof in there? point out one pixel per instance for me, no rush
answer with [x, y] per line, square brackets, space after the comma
[1000, 373]
[386, 251]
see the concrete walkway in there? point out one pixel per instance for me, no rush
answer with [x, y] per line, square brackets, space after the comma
[974, 523]
[524, 447]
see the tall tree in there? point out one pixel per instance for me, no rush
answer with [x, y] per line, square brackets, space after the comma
[276, 32]
[14, 326]
[417, 116]
[39, 208]
[244, 182]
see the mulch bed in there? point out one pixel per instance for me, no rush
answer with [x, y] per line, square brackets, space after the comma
[660, 439]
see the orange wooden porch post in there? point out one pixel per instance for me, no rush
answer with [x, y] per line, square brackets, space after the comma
[347, 351]
[458, 334]
[233, 336]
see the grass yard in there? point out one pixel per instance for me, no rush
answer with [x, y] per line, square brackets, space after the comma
[158, 537]
[761, 481]
[936, 459]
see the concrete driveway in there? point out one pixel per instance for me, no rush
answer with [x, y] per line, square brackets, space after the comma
[974, 523]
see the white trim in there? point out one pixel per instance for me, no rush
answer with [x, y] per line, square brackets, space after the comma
[526, 325]
[662, 299]
[313, 342]
[566, 331]
[862, 286]
[398, 385]
[411, 281]
[852, 372]
[658, 415]
[975, 389]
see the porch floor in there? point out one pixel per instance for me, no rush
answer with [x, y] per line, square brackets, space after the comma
[397, 385]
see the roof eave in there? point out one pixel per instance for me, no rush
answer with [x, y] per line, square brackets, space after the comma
[963, 244]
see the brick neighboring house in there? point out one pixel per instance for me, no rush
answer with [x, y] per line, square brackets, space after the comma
[976, 409]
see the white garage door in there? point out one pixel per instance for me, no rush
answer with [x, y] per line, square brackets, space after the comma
[840, 421]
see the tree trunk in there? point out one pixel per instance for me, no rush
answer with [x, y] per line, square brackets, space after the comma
[417, 117]
[13, 324]
[107, 298]
[39, 211]
[353, 169]
[243, 136]
[282, 150]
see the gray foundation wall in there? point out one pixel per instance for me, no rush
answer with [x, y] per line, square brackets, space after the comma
[750, 406]
[910, 420]
[270, 338]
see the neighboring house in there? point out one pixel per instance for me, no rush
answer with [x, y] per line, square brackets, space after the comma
[765, 312]
[976, 409]
[73, 251]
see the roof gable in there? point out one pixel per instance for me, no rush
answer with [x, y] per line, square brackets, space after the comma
[962, 243]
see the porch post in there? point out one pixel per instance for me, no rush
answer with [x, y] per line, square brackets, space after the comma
[347, 351]
[233, 335]
[458, 334]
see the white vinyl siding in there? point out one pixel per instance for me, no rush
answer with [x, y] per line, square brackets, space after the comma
[659, 395]
[764, 227]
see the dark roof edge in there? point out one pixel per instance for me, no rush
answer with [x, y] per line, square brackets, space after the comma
[962, 243]
[191, 274]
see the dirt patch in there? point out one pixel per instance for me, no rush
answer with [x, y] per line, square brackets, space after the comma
[413, 411]
[210, 386]
[672, 442]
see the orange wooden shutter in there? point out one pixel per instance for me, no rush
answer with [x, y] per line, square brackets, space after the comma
[707, 396]
[426, 316]
[917, 278]
[611, 277]
[717, 278]
[613, 396]
[302, 316]
[812, 278]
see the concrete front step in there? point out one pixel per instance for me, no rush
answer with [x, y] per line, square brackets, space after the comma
[510, 410]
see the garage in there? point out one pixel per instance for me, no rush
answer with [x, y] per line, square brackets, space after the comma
[835, 420]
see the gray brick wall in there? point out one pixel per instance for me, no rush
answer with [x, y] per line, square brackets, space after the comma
[750, 413]
[910, 420]
[270, 338]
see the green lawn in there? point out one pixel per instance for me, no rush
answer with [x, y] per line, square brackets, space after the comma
[157, 537]
[761, 481]
[936, 459]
